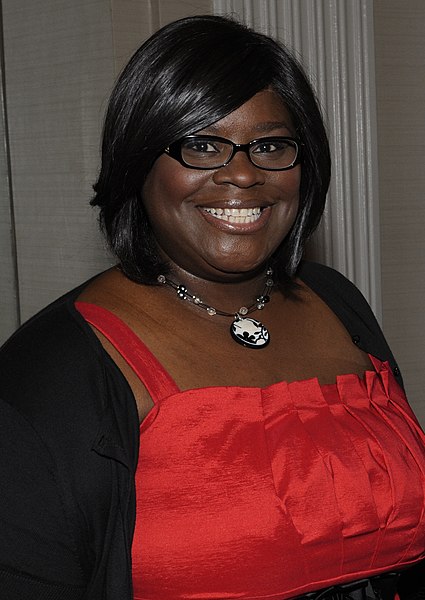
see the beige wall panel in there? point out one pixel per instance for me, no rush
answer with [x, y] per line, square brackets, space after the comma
[134, 21]
[400, 71]
[169, 10]
[59, 68]
[61, 60]
[8, 287]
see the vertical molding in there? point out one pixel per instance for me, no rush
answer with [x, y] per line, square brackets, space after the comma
[334, 40]
[9, 285]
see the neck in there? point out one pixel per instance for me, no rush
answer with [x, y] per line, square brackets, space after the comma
[229, 295]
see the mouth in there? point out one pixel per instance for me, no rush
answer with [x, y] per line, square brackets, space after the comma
[235, 215]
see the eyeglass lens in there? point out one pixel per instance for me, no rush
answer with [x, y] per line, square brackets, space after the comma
[267, 153]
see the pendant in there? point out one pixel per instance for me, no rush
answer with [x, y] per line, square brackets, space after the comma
[249, 332]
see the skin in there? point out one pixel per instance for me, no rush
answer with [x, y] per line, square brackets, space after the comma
[208, 248]
[225, 265]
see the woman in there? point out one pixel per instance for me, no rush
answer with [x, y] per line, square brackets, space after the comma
[197, 422]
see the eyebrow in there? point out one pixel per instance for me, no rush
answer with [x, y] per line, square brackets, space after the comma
[261, 127]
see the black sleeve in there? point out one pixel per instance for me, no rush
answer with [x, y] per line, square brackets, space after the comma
[38, 560]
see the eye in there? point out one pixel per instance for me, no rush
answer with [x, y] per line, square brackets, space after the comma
[200, 146]
[273, 145]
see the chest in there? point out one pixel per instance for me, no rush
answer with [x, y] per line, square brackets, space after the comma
[306, 340]
[290, 479]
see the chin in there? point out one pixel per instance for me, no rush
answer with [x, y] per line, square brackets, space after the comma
[234, 267]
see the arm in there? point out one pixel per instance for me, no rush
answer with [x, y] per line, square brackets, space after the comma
[68, 508]
[37, 555]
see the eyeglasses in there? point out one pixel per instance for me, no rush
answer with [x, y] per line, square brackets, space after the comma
[212, 152]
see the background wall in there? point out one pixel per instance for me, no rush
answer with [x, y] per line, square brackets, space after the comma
[400, 88]
[9, 301]
[59, 62]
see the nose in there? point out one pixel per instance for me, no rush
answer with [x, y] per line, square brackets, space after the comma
[240, 172]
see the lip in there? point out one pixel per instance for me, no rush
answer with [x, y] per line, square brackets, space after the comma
[243, 228]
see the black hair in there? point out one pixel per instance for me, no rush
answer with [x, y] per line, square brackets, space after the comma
[188, 75]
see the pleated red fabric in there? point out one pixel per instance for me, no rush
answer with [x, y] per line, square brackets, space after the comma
[268, 493]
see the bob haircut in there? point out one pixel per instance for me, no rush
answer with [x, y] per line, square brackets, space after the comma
[188, 75]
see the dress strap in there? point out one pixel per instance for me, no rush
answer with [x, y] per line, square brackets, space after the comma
[376, 362]
[138, 356]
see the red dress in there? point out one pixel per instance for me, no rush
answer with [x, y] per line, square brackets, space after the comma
[269, 493]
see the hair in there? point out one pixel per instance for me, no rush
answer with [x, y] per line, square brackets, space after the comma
[188, 75]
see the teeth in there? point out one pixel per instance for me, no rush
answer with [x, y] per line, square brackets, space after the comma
[235, 215]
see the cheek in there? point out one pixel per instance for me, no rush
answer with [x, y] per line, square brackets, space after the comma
[287, 181]
[289, 204]
[169, 184]
[293, 179]
[289, 186]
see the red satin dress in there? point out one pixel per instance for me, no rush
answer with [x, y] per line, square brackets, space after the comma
[269, 493]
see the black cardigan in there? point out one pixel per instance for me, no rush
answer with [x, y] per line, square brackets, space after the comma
[69, 436]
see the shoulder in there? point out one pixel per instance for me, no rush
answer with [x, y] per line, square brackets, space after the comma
[42, 357]
[324, 279]
[68, 411]
[55, 373]
[338, 292]
[350, 306]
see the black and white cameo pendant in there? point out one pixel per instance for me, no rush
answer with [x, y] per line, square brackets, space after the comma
[249, 332]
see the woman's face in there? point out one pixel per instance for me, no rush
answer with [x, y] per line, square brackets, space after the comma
[183, 204]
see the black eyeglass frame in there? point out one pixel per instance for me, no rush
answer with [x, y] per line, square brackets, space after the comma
[174, 150]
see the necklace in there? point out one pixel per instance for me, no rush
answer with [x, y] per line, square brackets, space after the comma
[245, 330]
